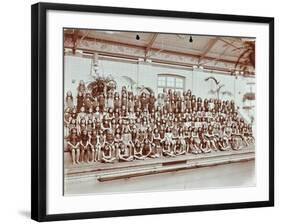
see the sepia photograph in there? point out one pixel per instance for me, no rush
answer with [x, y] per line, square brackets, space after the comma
[148, 112]
[139, 111]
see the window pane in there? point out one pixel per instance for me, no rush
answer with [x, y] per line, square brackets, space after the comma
[161, 81]
[179, 83]
[161, 78]
[171, 81]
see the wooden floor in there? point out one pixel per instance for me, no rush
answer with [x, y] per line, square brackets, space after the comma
[231, 175]
[121, 170]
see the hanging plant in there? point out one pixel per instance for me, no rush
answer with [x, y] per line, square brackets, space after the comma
[249, 96]
[247, 58]
[100, 85]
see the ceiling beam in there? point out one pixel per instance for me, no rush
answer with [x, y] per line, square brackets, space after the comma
[87, 38]
[74, 40]
[149, 45]
[229, 43]
[210, 45]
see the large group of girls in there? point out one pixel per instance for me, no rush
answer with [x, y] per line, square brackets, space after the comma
[123, 126]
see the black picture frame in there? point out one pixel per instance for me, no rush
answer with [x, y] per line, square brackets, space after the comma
[39, 108]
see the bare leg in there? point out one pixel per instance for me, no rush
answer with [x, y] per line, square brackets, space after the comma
[73, 156]
[93, 155]
[187, 149]
[88, 155]
[82, 155]
[97, 155]
[159, 150]
[77, 155]
[213, 144]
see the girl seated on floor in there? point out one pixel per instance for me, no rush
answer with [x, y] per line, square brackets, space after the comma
[168, 149]
[211, 138]
[222, 144]
[235, 142]
[179, 148]
[205, 146]
[107, 154]
[147, 149]
[249, 135]
[124, 153]
[194, 146]
[138, 150]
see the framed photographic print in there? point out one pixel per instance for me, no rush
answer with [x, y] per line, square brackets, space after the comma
[139, 111]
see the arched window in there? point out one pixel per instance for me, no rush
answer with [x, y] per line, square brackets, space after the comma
[170, 81]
